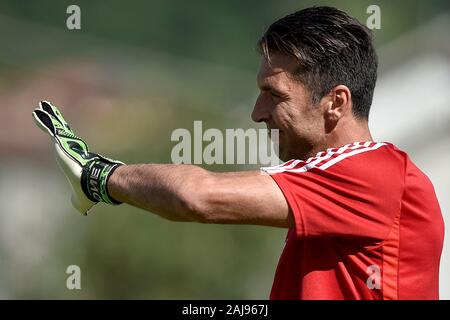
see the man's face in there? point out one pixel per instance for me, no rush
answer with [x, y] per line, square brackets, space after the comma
[285, 104]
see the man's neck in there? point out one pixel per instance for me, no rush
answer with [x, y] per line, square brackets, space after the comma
[358, 131]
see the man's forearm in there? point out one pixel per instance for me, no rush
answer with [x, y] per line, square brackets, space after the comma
[190, 193]
[164, 189]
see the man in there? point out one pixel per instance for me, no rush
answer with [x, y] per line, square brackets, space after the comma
[363, 220]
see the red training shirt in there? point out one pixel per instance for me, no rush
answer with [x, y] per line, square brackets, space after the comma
[367, 226]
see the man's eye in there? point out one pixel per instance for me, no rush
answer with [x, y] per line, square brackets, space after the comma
[274, 94]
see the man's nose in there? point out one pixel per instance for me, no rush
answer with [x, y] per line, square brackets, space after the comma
[260, 111]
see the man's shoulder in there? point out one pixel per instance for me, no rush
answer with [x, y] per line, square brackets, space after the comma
[387, 166]
[371, 158]
[393, 154]
[357, 158]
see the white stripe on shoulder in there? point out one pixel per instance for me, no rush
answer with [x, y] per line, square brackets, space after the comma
[324, 160]
[351, 153]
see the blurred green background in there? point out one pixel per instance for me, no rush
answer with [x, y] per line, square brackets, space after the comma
[135, 72]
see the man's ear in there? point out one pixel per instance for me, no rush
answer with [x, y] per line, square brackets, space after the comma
[337, 103]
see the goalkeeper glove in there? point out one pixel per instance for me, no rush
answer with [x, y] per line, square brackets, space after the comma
[87, 172]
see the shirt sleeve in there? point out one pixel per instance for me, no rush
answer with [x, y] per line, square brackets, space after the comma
[359, 196]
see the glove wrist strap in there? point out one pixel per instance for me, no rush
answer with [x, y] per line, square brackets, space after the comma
[94, 180]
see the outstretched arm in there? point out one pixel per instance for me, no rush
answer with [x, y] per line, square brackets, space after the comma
[190, 193]
[175, 192]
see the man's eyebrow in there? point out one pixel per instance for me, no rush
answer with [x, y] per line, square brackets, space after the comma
[263, 85]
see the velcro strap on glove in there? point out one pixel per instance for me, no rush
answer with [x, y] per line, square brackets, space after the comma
[94, 181]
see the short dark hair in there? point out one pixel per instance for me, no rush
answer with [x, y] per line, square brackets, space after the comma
[331, 48]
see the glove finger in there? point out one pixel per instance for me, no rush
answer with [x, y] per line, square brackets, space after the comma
[49, 123]
[44, 122]
[54, 111]
[61, 123]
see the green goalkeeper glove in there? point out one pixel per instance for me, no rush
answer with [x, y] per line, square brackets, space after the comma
[87, 172]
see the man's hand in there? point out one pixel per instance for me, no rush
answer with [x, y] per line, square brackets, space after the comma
[87, 172]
